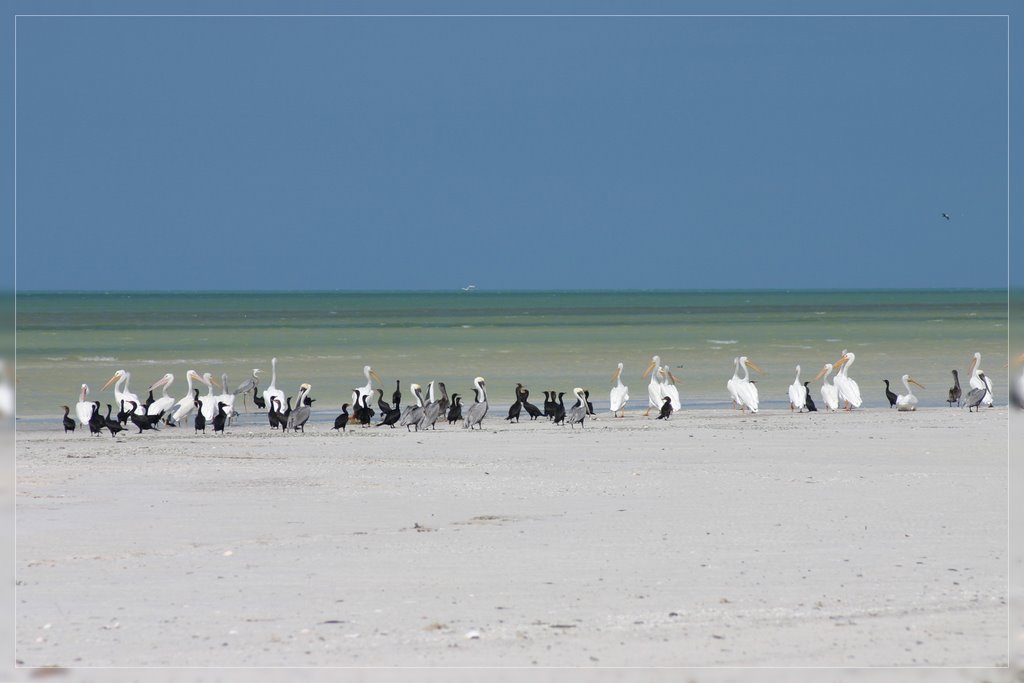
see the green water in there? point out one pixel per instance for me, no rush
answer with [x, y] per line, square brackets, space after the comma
[545, 339]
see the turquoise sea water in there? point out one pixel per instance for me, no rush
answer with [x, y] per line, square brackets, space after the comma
[547, 340]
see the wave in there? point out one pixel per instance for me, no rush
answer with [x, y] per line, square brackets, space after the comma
[722, 341]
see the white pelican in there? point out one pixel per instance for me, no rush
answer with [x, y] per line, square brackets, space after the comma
[186, 404]
[828, 391]
[227, 398]
[668, 387]
[907, 401]
[272, 391]
[978, 383]
[208, 402]
[797, 394]
[745, 389]
[83, 409]
[619, 394]
[847, 388]
[123, 377]
[165, 402]
[367, 389]
[654, 395]
[734, 383]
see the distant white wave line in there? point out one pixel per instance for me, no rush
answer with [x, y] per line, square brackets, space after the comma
[722, 341]
[97, 358]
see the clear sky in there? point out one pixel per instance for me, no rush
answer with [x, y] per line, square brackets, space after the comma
[511, 152]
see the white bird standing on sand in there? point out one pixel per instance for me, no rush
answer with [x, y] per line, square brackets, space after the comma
[476, 413]
[828, 391]
[746, 391]
[845, 385]
[654, 396]
[186, 404]
[367, 389]
[83, 409]
[797, 394]
[733, 384]
[165, 402]
[668, 387]
[978, 383]
[123, 377]
[227, 398]
[272, 391]
[907, 401]
[208, 403]
[619, 394]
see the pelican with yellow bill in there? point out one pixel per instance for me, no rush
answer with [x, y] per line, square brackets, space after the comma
[908, 401]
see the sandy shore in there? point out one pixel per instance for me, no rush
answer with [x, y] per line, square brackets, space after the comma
[869, 539]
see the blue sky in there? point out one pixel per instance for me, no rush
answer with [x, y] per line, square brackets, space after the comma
[513, 152]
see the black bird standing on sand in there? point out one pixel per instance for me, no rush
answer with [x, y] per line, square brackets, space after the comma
[342, 420]
[396, 396]
[666, 409]
[811, 408]
[955, 392]
[517, 407]
[69, 424]
[455, 412]
[558, 416]
[220, 418]
[889, 394]
[533, 410]
[200, 421]
[141, 421]
[258, 400]
[96, 423]
[113, 424]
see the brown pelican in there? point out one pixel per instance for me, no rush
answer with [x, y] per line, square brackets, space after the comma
[980, 380]
[412, 414]
[955, 392]
[476, 413]
[431, 410]
[578, 413]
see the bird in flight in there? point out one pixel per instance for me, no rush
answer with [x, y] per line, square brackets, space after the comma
[469, 288]
[945, 215]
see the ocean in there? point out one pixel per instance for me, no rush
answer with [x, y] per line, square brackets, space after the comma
[546, 340]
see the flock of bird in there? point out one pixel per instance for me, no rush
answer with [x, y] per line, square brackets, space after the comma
[433, 404]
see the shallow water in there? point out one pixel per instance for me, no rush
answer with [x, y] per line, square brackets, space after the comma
[547, 340]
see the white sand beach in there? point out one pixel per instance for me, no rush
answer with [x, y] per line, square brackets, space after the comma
[868, 539]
